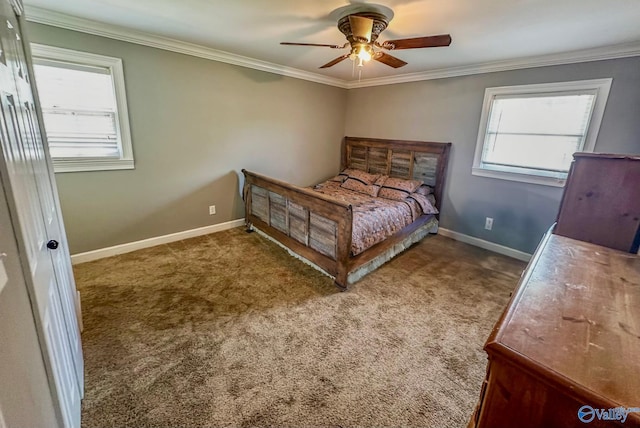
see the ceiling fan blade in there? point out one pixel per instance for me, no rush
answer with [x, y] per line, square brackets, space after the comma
[335, 61]
[418, 42]
[313, 44]
[391, 61]
[361, 27]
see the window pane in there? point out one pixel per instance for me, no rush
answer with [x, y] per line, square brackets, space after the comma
[554, 115]
[537, 132]
[93, 133]
[552, 153]
[79, 110]
[61, 87]
[74, 149]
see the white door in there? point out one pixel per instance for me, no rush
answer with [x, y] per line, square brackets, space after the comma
[52, 219]
[28, 184]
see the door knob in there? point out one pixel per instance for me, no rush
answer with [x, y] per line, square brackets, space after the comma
[53, 244]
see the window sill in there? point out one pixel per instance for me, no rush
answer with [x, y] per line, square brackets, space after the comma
[83, 165]
[520, 177]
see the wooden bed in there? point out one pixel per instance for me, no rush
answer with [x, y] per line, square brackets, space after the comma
[319, 228]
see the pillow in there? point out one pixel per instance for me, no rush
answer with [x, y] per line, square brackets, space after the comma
[396, 195]
[358, 186]
[398, 188]
[424, 190]
[380, 181]
[402, 184]
[338, 178]
[363, 177]
[425, 203]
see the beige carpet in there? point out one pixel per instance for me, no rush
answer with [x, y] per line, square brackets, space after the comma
[229, 330]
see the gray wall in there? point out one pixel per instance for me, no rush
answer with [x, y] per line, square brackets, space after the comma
[195, 124]
[449, 110]
[25, 399]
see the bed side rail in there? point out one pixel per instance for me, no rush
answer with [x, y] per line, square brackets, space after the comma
[311, 224]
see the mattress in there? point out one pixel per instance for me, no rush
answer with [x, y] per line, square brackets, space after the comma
[374, 219]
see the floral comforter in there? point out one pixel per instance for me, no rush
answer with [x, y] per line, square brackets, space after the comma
[374, 219]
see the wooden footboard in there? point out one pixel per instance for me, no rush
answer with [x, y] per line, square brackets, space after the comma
[311, 224]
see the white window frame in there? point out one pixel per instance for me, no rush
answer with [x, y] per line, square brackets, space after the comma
[600, 88]
[114, 65]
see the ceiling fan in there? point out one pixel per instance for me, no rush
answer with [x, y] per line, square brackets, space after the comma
[362, 29]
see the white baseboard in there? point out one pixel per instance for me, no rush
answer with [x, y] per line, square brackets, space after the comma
[192, 233]
[152, 242]
[491, 246]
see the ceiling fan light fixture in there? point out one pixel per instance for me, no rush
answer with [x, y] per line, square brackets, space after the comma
[361, 24]
[364, 53]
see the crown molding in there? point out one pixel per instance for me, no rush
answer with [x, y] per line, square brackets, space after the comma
[573, 57]
[61, 20]
[68, 22]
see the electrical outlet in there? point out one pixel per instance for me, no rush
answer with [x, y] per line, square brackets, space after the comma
[488, 223]
[212, 209]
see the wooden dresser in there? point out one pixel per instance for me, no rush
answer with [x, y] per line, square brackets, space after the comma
[570, 337]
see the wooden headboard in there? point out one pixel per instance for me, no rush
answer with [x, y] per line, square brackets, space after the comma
[419, 160]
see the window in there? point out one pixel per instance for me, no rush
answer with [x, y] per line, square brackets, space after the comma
[529, 133]
[84, 109]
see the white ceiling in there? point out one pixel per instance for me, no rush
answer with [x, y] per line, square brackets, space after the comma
[483, 31]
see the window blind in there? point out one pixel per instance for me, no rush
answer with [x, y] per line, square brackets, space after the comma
[79, 109]
[538, 132]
